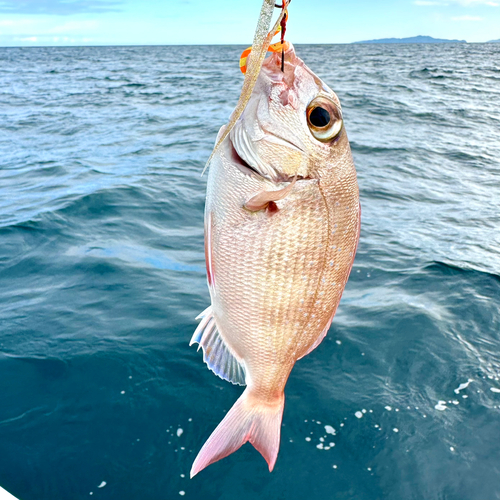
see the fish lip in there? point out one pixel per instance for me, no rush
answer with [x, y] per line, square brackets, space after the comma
[282, 139]
[246, 169]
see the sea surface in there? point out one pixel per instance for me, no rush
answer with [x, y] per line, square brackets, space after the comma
[102, 275]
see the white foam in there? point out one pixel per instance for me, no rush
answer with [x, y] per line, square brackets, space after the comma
[463, 386]
[319, 446]
[5, 495]
[330, 430]
[308, 438]
[338, 342]
[494, 389]
[182, 493]
[322, 439]
[102, 484]
[179, 432]
[363, 410]
[358, 414]
[388, 408]
[451, 448]
[334, 466]
[395, 429]
[441, 406]
[123, 392]
[182, 475]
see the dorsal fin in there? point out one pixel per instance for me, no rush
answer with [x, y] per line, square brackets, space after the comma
[216, 354]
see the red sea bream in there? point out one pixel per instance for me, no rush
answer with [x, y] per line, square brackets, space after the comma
[282, 223]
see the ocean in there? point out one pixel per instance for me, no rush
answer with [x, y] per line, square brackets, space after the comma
[102, 275]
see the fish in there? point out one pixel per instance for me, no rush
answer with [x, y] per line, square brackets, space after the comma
[282, 225]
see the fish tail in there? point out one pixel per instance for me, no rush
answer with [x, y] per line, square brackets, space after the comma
[250, 419]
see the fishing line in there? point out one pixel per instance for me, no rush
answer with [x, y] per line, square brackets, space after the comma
[284, 19]
[281, 46]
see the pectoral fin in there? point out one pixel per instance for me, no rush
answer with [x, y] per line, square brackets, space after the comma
[216, 354]
[262, 200]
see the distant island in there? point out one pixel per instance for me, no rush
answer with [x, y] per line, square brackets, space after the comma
[494, 41]
[414, 39]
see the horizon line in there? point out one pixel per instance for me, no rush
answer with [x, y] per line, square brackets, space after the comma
[363, 42]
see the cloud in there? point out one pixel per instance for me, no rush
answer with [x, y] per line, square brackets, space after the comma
[59, 7]
[467, 18]
[468, 3]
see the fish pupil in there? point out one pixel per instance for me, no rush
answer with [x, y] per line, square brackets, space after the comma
[319, 117]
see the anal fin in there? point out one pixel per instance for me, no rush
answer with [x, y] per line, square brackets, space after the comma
[216, 354]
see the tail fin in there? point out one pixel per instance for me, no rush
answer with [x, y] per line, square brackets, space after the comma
[248, 420]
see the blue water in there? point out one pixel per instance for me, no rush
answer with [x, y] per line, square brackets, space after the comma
[102, 275]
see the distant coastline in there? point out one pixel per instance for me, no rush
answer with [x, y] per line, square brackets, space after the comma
[414, 39]
[494, 41]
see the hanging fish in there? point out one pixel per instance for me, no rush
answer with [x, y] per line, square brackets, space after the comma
[282, 222]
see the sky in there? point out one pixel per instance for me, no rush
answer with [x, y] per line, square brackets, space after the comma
[168, 22]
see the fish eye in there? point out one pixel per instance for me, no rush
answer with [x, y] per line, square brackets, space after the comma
[319, 117]
[324, 119]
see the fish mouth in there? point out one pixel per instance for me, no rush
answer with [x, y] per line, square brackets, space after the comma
[280, 140]
[245, 153]
[241, 164]
[247, 169]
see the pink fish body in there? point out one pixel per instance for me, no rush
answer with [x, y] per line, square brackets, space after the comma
[282, 223]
